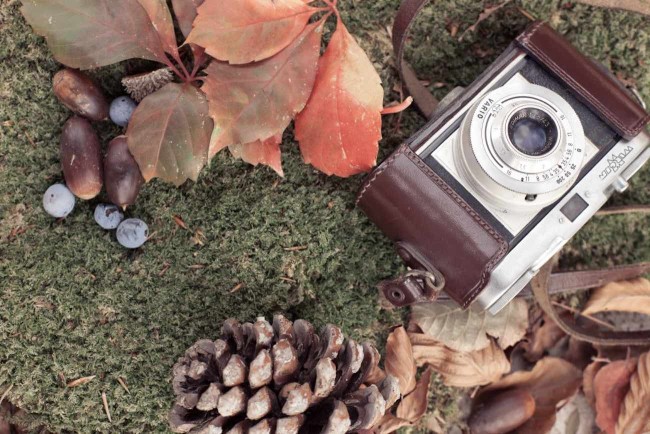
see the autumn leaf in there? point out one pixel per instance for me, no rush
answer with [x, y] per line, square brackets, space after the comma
[634, 417]
[169, 133]
[340, 129]
[248, 31]
[626, 296]
[588, 376]
[88, 34]
[576, 417]
[460, 369]
[162, 21]
[399, 360]
[414, 405]
[551, 381]
[185, 11]
[611, 384]
[467, 330]
[265, 152]
[254, 102]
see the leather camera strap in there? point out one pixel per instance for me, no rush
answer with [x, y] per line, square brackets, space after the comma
[423, 286]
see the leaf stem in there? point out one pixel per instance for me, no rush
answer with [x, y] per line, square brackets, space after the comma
[397, 108]
[333, 6]
[175, 70]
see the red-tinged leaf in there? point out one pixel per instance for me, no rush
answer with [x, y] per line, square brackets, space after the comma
[185, 11]
[247, 31]
[88, 34]
[265, 152]
[254, 102]
[611, 384]
[162, 21]
[169, 133]
[340, 129]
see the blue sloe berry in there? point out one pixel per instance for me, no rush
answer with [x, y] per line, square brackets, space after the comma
[132, 233]
[108, 216]
[121, 110]
[58, 201]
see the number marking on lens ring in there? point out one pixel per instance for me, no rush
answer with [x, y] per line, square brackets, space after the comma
[540, 173]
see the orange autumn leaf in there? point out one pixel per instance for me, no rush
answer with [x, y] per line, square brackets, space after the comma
[247, 31]
[254, 102]
[340, 129]
[162, 21]
[265, 152]
[611, 384]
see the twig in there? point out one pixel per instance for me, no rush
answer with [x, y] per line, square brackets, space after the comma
[4, 395]
[236, 288]
[397, 108]
[295, 248]
[123, 384]
[589, 317]
[106, 409]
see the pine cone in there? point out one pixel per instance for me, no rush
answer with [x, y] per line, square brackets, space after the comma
[142, 85]
[282, 378]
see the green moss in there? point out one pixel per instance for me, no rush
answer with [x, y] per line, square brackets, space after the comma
[73, 303]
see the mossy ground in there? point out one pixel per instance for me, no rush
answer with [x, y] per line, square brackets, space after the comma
[73, 303]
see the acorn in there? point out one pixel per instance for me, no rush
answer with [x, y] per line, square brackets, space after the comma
[122, 173]
[81, 158]
[79, 93]
[502, 412]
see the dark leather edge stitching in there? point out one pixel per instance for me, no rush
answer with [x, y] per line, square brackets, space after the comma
[379, 171]
[469, 297]
[526, 41]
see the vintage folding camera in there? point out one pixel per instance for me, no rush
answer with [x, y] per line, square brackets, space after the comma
[508, 170]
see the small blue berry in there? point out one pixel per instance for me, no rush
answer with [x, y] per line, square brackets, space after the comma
[108, 216]
[121, 110]
[58, 201]
[132, 233]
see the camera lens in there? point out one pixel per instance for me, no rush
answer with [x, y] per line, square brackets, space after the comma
[532, 132]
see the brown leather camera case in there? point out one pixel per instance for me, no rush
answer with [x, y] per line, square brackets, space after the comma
[436, 229]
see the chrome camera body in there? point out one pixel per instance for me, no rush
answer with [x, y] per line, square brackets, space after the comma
[529, 155]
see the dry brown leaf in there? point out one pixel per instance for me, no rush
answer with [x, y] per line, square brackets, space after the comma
[80, 381]
[467, 330]
[640, 6]
[460, 369]
[611, 384]
[551, 381]
[544, 335]
[635, 410]
[576, 417]
[399, 360]
[389, 424]
[626, 296]
[588, 376]
[413, 406]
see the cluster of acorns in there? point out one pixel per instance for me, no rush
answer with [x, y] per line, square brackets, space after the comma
[85, 169]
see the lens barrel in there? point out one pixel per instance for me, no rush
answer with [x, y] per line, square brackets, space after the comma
[517, 142]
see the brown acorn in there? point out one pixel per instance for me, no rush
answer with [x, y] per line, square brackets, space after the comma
[502, 412]
[81, 158]
[122, 173]
[79, 93]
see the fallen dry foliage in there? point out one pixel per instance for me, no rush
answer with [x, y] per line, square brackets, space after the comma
[551, 381]
[466, 330]
[627, 296]
[634, 417]
[460, 369]
[400, 361]
[400, 364]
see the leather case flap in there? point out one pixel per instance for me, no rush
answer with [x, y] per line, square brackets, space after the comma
[432, 226]
[597, 89]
